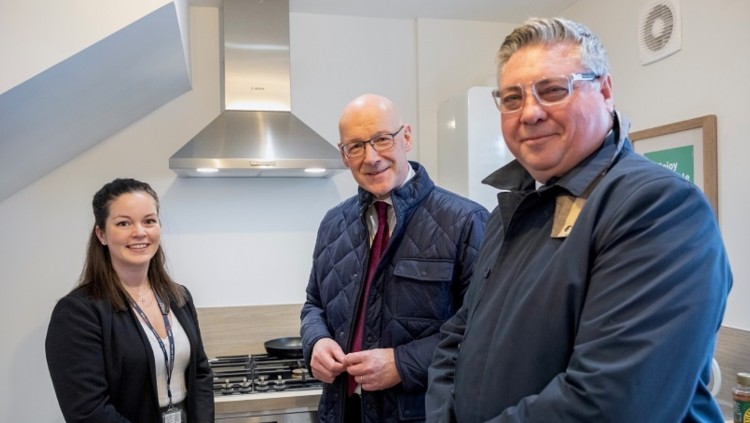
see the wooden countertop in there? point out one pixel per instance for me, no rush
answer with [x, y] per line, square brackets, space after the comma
[244, 329]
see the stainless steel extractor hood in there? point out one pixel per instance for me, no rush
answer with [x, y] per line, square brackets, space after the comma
[256, 135]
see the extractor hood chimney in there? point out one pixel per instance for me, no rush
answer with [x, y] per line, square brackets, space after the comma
[256, 135]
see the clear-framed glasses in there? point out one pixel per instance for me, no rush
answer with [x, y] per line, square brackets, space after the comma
[547, 91]
[380, 142]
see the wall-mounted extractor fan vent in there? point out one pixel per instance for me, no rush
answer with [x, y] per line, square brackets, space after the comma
[659, 30]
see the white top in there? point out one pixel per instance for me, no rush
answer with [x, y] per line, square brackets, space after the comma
[181, 359]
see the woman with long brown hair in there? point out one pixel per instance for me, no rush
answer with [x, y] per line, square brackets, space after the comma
[125, 344]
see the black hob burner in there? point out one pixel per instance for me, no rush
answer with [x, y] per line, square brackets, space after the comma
[247, 374]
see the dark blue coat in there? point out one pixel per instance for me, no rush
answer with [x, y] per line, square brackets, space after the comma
[418, 285]
[615, 322]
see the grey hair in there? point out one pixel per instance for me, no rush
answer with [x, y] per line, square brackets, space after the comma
[554, 31]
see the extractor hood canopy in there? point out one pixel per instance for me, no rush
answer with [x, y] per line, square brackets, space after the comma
[256, 135]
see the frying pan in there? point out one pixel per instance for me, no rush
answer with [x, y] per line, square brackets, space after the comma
[289, 347]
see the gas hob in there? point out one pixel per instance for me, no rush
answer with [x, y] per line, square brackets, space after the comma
[250, 374]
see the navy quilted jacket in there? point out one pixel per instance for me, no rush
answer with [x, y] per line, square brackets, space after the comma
[419, 284]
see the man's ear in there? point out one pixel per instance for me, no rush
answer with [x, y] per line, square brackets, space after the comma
[407, 137]
[606, 90]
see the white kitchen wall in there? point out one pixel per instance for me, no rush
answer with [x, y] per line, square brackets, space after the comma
[336, 58]
[705, 77]
[453, 56]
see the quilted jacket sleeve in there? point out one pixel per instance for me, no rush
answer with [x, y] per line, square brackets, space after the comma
[313, 324]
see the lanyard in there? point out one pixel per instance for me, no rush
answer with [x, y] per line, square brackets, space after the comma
[168, 361]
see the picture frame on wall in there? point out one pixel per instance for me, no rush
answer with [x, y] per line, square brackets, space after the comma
[687, 147]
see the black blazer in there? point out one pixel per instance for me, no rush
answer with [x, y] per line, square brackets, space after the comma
[102, 364]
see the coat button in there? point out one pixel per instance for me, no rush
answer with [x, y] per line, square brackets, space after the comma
[487, 273]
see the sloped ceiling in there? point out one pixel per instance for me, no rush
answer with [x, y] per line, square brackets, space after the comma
[70, 107]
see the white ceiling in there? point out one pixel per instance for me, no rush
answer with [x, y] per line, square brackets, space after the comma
[482, 10]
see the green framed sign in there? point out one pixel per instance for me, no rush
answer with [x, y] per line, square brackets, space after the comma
[688, 148]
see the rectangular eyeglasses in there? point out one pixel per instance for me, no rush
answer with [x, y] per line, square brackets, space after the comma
[547, 91]
[380, 142]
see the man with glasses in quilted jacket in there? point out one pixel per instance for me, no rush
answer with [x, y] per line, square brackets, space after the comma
[390, 265]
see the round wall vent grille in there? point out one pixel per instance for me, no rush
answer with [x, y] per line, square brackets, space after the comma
[659, 33]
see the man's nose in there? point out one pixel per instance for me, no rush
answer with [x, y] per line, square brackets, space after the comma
[531, 108]
[370, 152]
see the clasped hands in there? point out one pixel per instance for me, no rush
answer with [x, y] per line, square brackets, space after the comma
[373, 369]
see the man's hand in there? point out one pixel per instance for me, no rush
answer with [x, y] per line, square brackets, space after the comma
[373, 369]
[327, 360]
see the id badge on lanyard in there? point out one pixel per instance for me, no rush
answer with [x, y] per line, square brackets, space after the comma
[172, 415]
